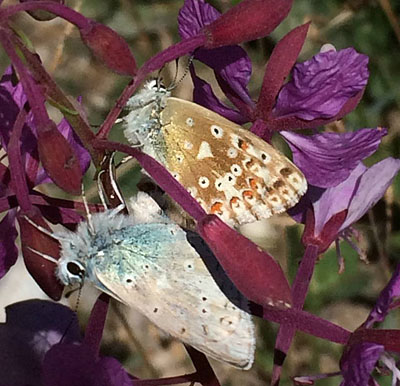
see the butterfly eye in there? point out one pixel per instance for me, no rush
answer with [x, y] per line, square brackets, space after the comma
[76, 269]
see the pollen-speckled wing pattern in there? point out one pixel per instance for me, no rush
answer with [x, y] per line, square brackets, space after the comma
[230, 171]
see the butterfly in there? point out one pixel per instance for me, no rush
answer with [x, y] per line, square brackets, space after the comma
[229, 170]
[147, 262]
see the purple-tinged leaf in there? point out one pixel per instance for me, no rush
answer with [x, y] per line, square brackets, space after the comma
[95, 326]
[255, 273]
[42, 270]
[321, 86]
[5, 180]
[385, 299]
[281, 61]
[8, 249]
[372, 185]
[59, 159]
[358, 363]
[82, 154]
[249, 20]
[327, 159]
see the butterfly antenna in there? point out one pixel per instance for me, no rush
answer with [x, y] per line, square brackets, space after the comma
[176, 83]
[87, 211]
[75, 310]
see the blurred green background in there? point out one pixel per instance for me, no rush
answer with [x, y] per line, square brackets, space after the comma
[372, 28]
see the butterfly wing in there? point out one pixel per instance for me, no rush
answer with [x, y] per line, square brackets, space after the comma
[229, 170]
[155, 270]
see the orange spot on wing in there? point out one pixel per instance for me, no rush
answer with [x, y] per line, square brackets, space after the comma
[243, 145]
[234, 201]
[248, 194]
[216, 208]
[253, 183]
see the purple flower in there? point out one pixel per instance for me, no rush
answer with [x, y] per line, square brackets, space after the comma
[331, 211]
[318, 92]
[321, 90]
[360, 356]
[367, 346]
[326, 159]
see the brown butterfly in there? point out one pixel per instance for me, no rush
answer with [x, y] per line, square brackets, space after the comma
[229, 170]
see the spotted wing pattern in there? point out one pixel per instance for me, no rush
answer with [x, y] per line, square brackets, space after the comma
[155, 270]
[229, 170]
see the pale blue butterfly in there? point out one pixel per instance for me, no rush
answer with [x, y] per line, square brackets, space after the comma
[146, 261]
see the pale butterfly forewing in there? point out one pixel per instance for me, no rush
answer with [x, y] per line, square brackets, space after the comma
[229, 170]
[148, 263]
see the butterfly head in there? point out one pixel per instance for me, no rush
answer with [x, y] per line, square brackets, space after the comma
[90, 240]
[71, 272]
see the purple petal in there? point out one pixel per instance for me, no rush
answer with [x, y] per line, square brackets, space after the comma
[327, 159]
[12, 99]
[204, 95]
[193, 16]
[359, 362]
[391, 291]
[232, 68]
[371, 188]
[334, 200]
[32, 327]
[8, 249]
[118, 376]
[71, 364]
[322, 85]
[83, 155]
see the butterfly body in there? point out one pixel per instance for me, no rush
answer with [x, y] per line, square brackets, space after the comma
[148, 263]
[230, 171]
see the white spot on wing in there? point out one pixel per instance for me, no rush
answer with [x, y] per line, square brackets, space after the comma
[204, 182]
[217, 131]
[190, 122]
[232, 152]
[205, 151]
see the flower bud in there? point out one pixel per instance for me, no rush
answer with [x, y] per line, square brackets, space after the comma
[109, 47]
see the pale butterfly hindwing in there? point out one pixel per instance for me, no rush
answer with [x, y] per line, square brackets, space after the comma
[147, 263]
